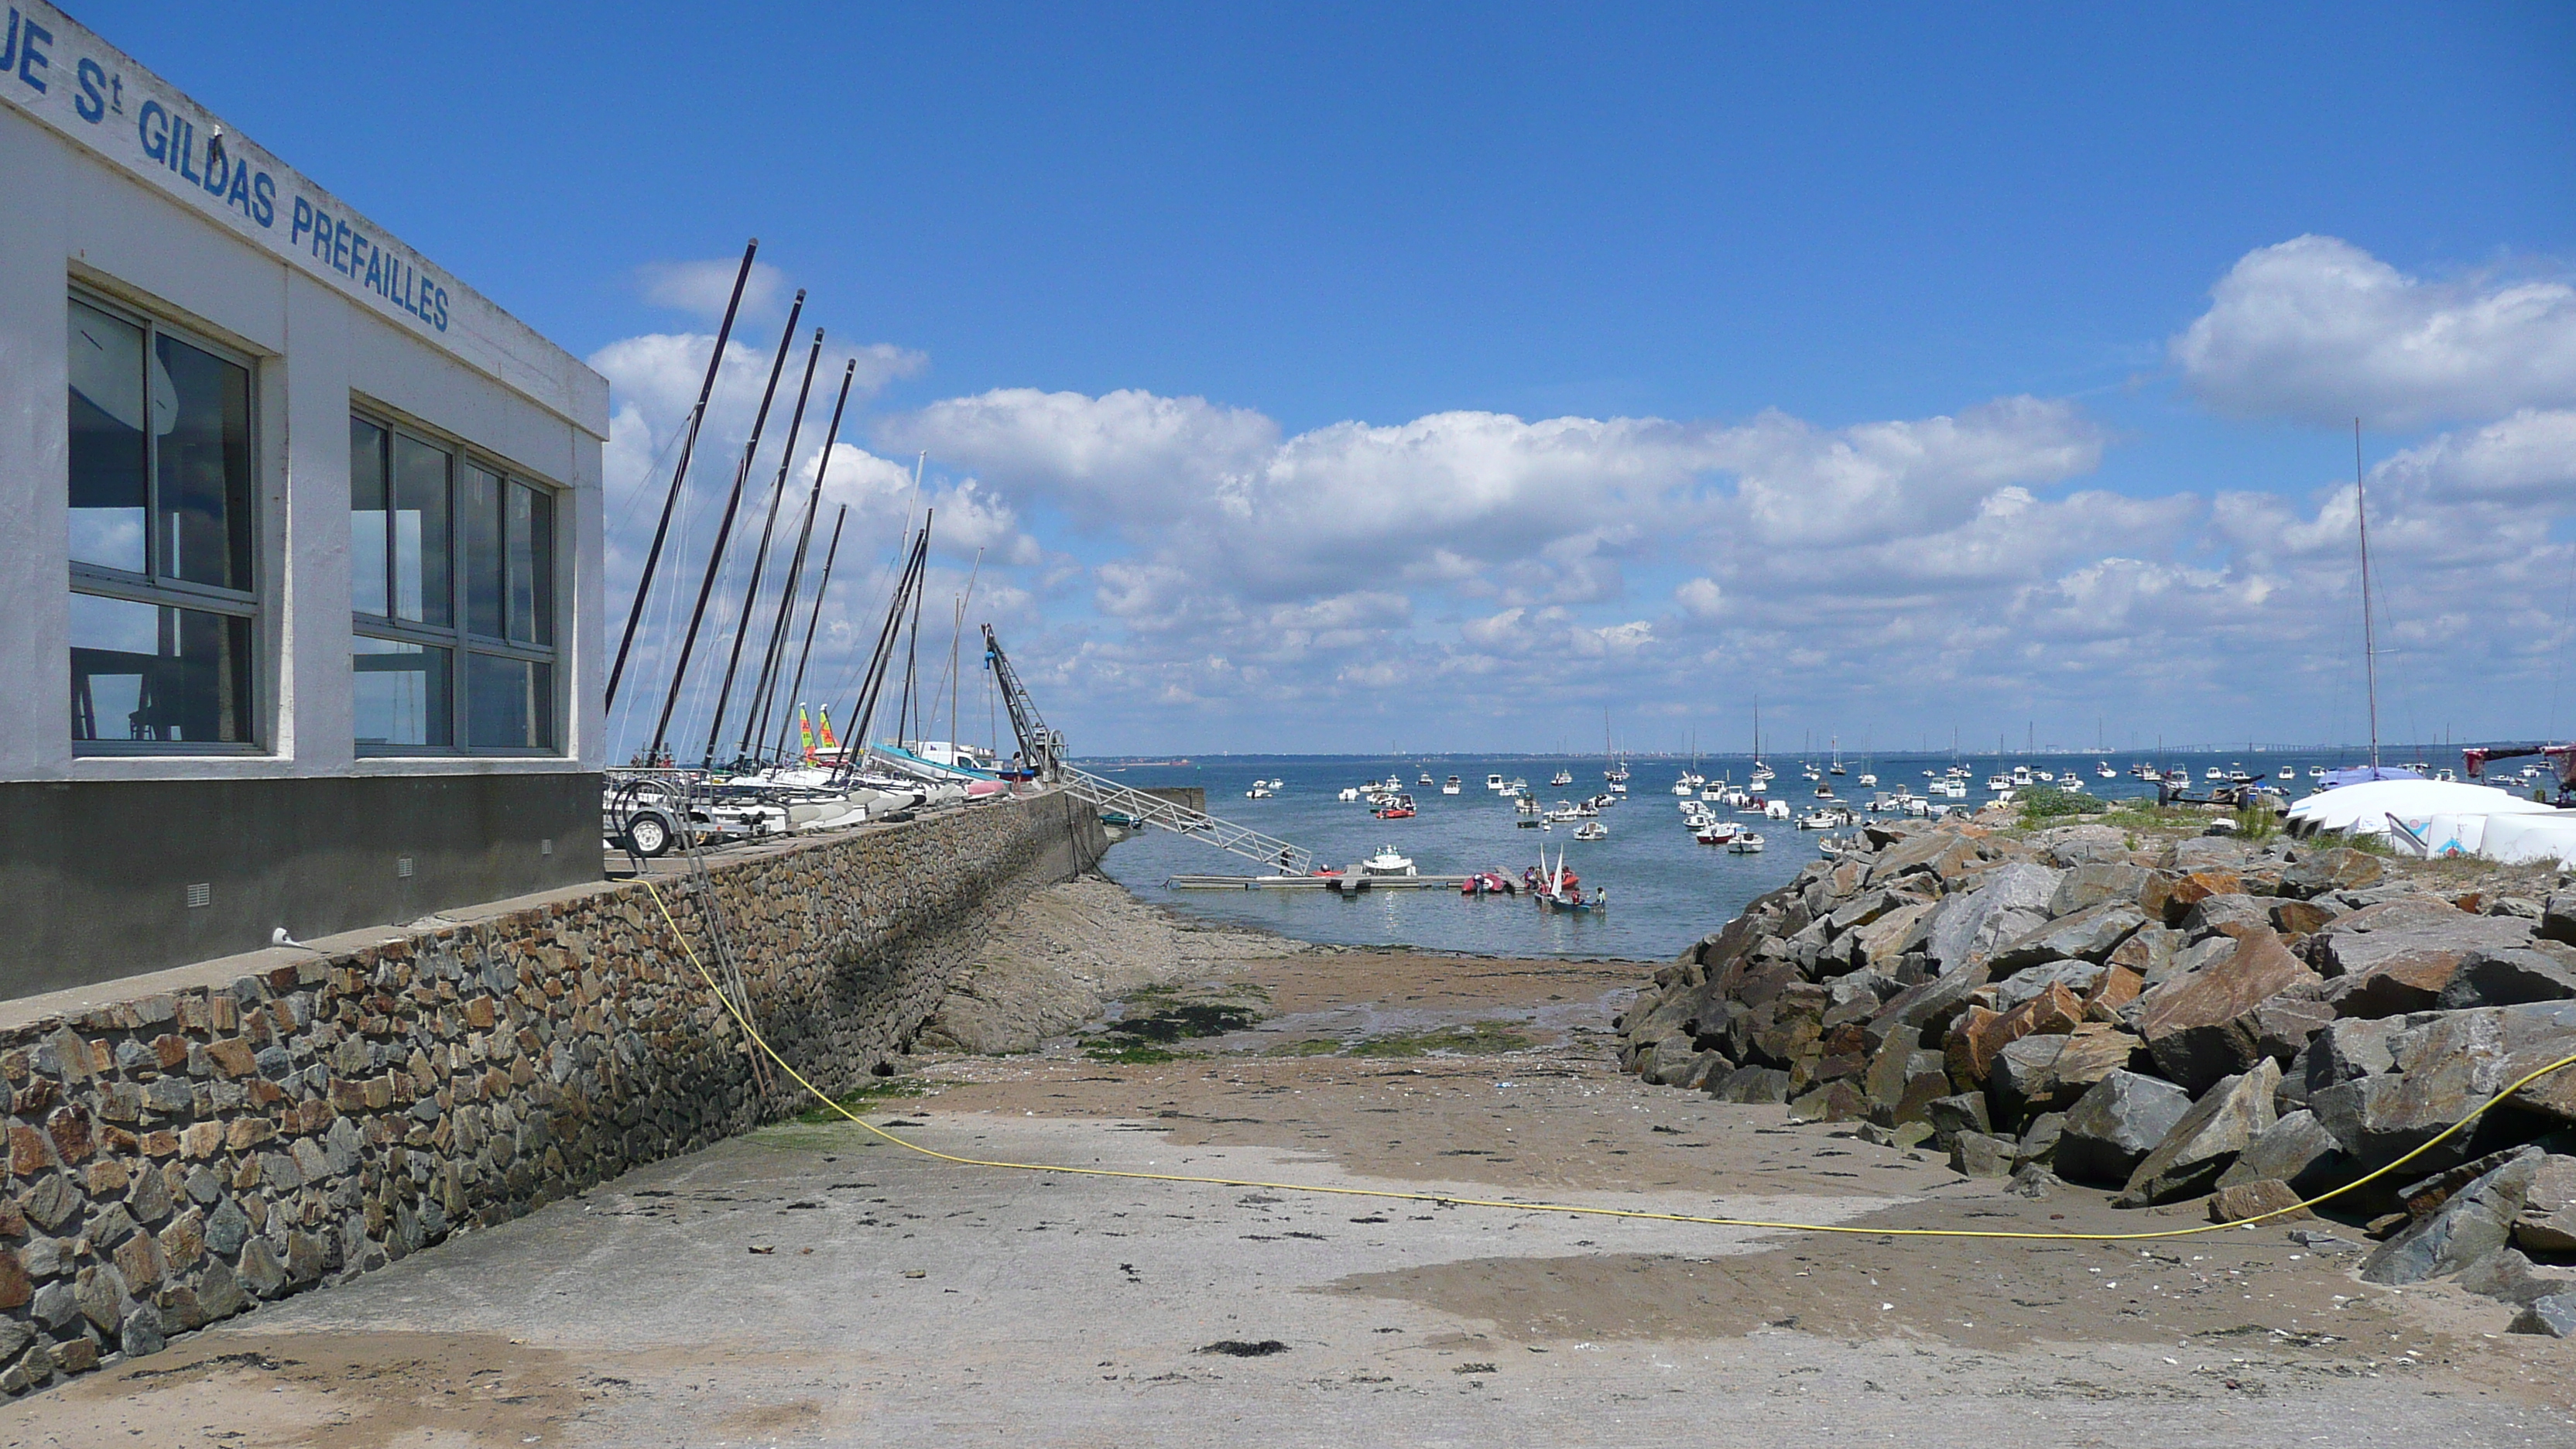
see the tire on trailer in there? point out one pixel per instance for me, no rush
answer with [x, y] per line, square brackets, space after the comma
[648, 834]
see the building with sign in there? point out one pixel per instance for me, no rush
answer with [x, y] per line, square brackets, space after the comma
[299, 549]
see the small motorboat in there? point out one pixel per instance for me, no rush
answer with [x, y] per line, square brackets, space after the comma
[1562, 778]
[1398, 808]
[1747, 843]
[1494, 783]
[1426, 782]
[1717, 832]
[1387, 862]
[1592, 830]
[1260, 790]
[1452, 786]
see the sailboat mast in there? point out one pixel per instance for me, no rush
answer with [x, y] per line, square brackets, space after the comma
[2369, 639]
[679, 473]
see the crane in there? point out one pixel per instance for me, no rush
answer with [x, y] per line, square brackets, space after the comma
[1041, 749]
[1042, 754]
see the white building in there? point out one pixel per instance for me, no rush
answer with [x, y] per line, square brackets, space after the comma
[299, 548]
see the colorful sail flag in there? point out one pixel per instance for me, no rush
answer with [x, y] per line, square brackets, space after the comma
[805, 727]
[830, 745]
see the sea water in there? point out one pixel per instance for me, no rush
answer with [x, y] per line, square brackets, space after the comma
[1666, 889]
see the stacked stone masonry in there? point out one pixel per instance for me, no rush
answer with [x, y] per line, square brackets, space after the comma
[176, 1159]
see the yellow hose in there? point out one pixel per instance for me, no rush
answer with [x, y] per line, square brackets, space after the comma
[1451, 1199]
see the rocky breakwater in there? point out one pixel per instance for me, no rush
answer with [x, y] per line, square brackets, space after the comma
[2172, 1019]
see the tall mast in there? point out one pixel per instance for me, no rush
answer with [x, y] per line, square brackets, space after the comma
[755, 722]
[760, 555]
[724, 531]
[679, 472]
[2369, 640]
[795, 691]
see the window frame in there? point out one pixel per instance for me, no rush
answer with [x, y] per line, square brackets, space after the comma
[169, 591]
[458, 636]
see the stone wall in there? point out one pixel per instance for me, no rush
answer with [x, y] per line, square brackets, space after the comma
[175, 1158]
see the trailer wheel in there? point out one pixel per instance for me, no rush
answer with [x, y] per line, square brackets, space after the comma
[648, 835]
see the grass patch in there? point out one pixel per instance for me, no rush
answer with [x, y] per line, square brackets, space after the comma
[2047, 802]
[2257, 822]
[1478, 1038]
[881, 1090]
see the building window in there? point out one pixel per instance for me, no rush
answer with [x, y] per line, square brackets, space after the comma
[452, 573]
[164, 595]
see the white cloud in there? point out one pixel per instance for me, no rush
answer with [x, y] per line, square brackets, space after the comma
[1702, 599]
[2529, 457]
[701, 287]
[2317, 329]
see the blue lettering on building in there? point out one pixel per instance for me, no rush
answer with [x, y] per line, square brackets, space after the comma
[19, 50]
[174, 142]
[152, 126]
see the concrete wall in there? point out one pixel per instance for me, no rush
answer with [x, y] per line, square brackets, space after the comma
[94, 875]
[184, 1146]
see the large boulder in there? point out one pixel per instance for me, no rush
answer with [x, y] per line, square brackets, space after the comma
[2554, 1316]
[1927, 1007]
[2009, 901]
[2089, 935]
[2149, 951]
[2207, 1141]
[2226, 915]
[2071, 846]
[2320, 872]
[1975, 1154]
[2169, 897]
[2079, 976]
[2113, 1126]
[1751, 1085]
[2296, 1149]
[2510, 977]
[2050, 1073]
[2470, 1225]
[2206, 1026]
[2441, 1069]
[2396, 958]
[1901, 1081]
[1882, 943]
[1976, 1038]
[2547, 1222]
[2558, 918]
[1945, 855]
[1950, 1116]
[2203, 852]
[2090, 885]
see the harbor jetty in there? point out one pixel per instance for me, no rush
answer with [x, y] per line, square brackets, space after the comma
[2178, 1017]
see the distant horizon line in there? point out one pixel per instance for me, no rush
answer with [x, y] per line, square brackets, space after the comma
[2388, 753]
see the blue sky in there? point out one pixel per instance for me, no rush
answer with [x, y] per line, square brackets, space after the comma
[1844, 356]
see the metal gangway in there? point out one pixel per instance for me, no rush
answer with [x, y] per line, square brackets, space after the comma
[1277, 855]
